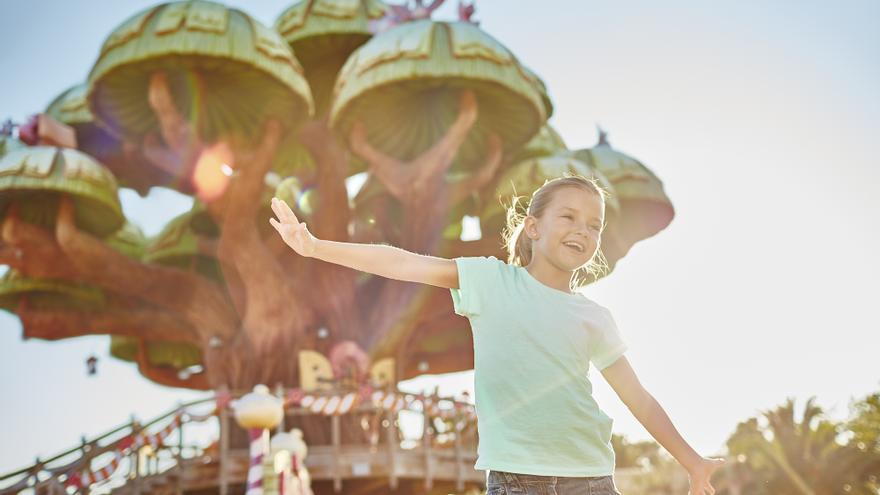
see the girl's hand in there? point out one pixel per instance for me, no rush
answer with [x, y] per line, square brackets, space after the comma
[701, 474]
[294, 232]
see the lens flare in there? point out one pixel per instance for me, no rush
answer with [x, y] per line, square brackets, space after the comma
[212, 172]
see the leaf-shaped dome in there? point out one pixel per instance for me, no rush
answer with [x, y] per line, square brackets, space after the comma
[45, 294]
[180, 246]
[227, 72]
[71, 108]
[645, 209]
[128, 240]
[416, 71]
[176, 355]
[323, 33]
[36, 176]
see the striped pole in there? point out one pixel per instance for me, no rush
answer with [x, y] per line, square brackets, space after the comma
[259, 438]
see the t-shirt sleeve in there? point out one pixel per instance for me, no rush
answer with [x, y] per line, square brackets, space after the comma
[475, 277]
[608, 345]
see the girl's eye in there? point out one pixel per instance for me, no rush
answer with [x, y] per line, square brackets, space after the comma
[567, 216]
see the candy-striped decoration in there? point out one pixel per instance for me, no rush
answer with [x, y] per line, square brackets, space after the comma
[259, 446]
[389, 401]
[124, 447]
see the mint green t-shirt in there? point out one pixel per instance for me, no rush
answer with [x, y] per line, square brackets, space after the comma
[532, 349]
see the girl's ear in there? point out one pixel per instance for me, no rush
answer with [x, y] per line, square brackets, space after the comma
[530, 227]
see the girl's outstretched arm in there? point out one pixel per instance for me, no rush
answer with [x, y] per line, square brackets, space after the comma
[651, 415]
[379, 259]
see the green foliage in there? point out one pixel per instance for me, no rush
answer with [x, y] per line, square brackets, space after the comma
[807, 453]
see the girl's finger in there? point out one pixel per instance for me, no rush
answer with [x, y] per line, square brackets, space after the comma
[275, 207]
[275, 224]
[278, 208]
[288, 215]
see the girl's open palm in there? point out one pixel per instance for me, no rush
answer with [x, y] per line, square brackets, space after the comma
[294, 232]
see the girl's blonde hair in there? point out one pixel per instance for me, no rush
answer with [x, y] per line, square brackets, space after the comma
[519, 247]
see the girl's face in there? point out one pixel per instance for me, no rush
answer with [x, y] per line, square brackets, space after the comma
[569, 230]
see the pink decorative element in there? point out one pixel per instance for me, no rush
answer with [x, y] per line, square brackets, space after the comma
[347, 357]
[466, 11]
[29, 132]
[398, 14]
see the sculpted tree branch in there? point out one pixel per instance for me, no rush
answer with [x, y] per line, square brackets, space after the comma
[408, 181]
[425, 192]
[200, 303]
[32, 250]
[333, 213]
[273, 310]
[153, 324]
[334, 291]
[459, 190]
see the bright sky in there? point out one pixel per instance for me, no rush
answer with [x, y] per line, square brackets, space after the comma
[756, 115]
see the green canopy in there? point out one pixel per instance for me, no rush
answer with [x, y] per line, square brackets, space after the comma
[175, 355]
[179, 245]
[323, 33]
[128, 240]
[36, 177]
[645, 209]
[227, 72]
[45, 294]
[546, 142]
[416, 72]
[71, 108]
[545, 96]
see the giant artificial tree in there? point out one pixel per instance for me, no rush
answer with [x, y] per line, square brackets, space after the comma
[441, 118]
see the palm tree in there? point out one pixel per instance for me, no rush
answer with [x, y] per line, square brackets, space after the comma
[803, 454]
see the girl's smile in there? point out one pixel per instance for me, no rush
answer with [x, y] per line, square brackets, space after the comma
[566, 236]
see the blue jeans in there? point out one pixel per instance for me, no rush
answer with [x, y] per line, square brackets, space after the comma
[504, 483]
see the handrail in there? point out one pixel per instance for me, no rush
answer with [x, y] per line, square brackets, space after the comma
[91, 449]
[94, 442]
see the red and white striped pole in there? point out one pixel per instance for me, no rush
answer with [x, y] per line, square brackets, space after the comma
[259, 448]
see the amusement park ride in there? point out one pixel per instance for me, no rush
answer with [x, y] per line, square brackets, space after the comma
[442, 119]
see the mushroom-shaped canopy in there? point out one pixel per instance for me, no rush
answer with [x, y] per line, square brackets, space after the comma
[547, 142]
[542, 88]
[176, 355]
[227, 72]
[405, 86]
[323, 33]
[36, 177]
[71, 108]
[180, 246]
[128, 240]
[644, 207]
[45, 294]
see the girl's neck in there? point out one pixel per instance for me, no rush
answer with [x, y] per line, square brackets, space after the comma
[549, 275]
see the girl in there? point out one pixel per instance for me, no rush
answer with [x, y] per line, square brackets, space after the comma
[540, 431]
